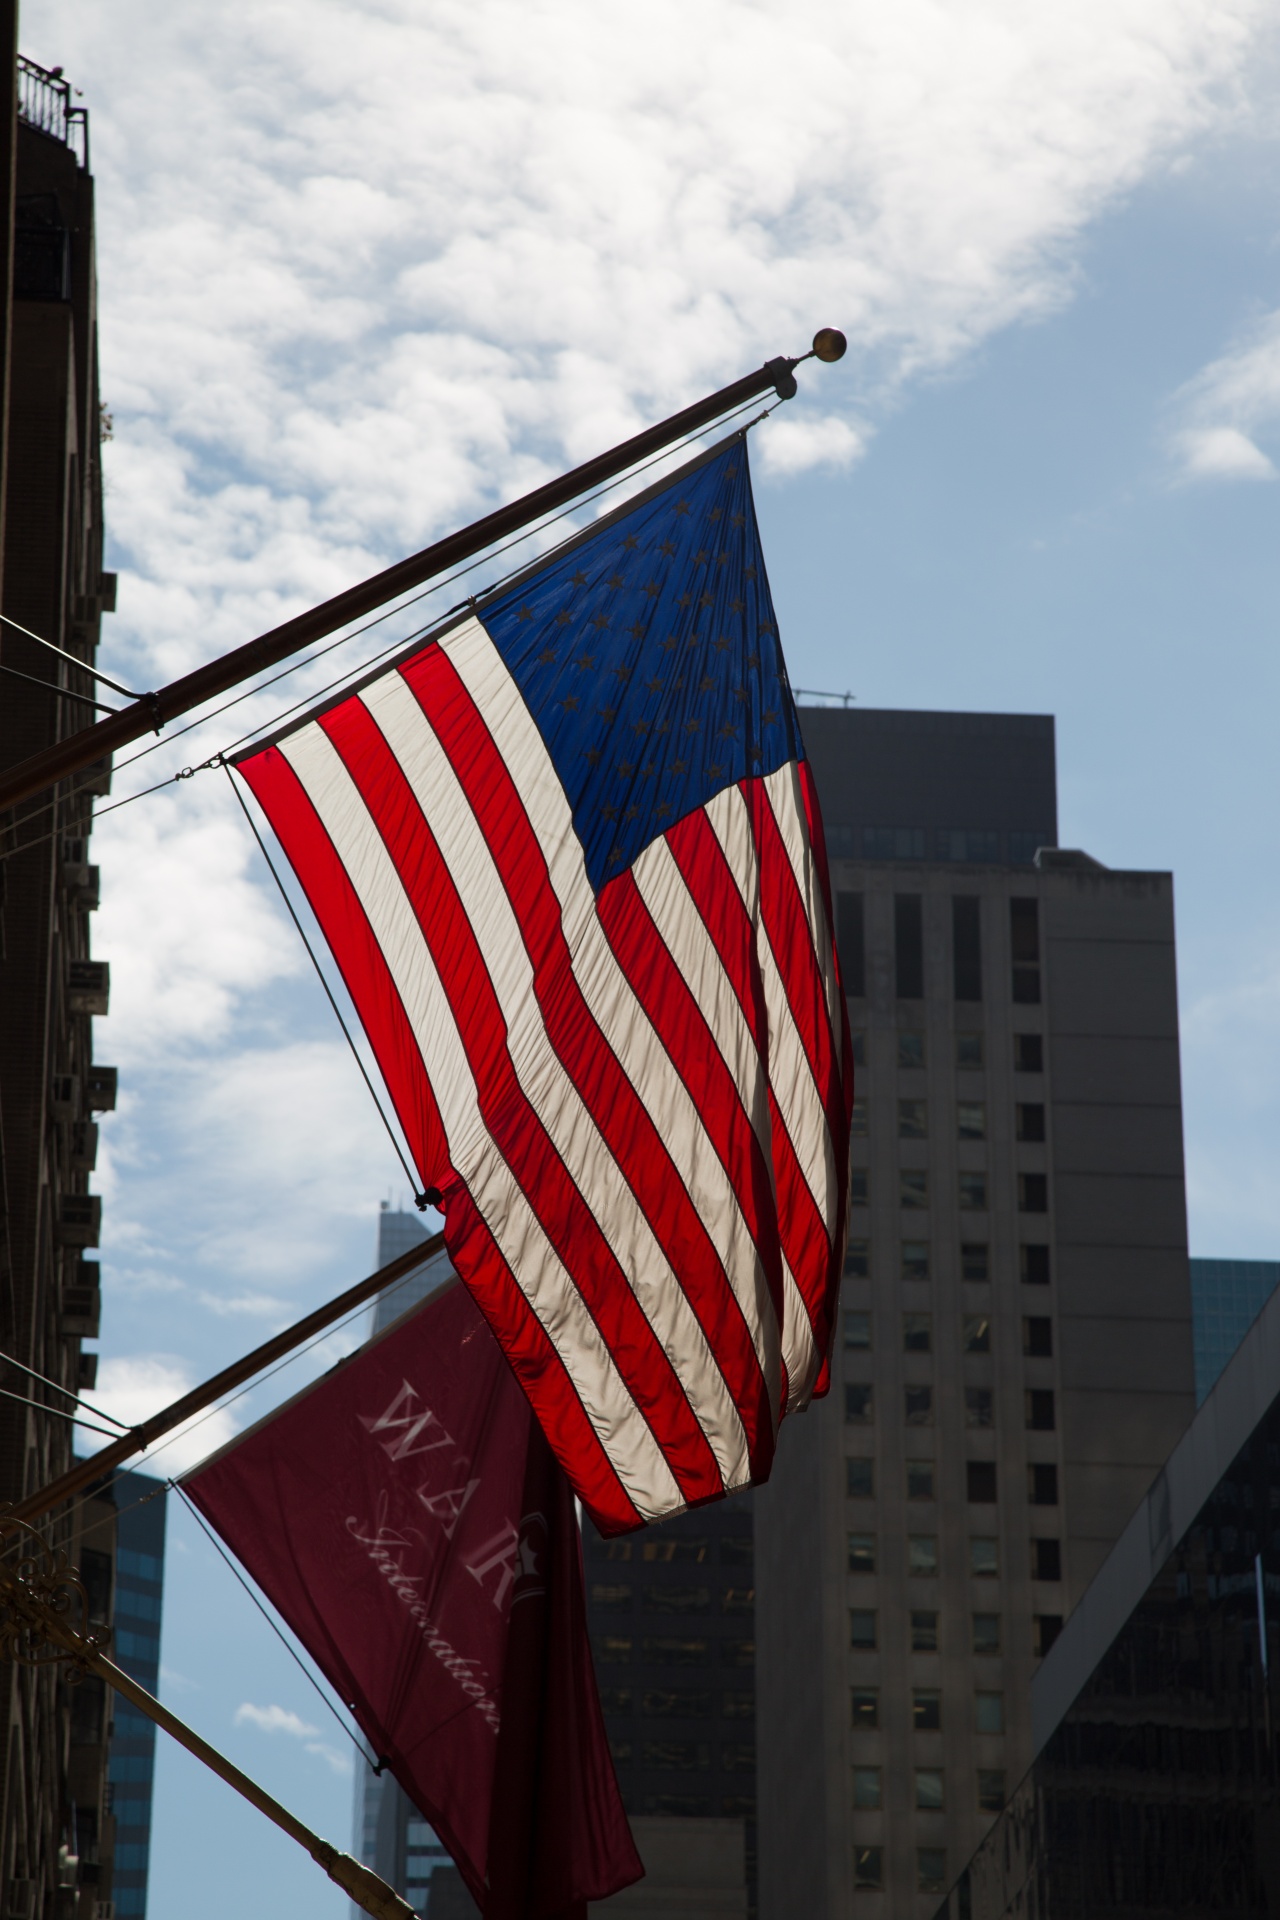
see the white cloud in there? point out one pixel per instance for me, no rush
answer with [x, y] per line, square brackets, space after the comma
[274, 1719]
[131, 1387]
[1229, 405]
[340, 1763]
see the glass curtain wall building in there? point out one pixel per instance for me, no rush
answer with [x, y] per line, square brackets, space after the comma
[139, 1597]
[390, 1834]
[1155, 1791]
[1226, 1298]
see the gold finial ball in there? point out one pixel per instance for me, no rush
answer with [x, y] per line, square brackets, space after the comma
[830, 344]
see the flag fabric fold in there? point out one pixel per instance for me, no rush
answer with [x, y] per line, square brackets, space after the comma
[407, 1519]
[568, 857]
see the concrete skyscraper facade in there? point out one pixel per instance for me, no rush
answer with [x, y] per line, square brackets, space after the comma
[1015, 1359]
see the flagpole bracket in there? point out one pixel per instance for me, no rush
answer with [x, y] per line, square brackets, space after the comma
[44, 1608]
[781, 372]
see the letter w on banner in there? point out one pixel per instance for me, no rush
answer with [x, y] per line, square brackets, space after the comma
[568, 857]
[407, 1519]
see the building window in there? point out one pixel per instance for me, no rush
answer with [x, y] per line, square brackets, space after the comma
[677, 1599]
[857, 1404]
[1037, 1337]
[1033, 1193]
[857, 1260]
[1024, 932]
[868, 1870]
[851, 942]
[1046, 1628]
[1040, 1409]
[922, 1553]
[1042, 1487]
[859, 1478]
[929, 1789]
[1028, 1052]
[858, 1046]
[931, 1869]
[976, 1333]
[913, 1120]
[910, 1048]
[862, 1553]
[919, 1479]
[1034, 1265]
[966, 946]
[866, 1790]
[990, 1789]
[893, 843]
[913, 1187]
[1029, 1119]
[973, 1192]
[974, 1260]
[865, 1708]
[917, 1332]
[676, 1756]
[984, 1556]
[859, 1187]
[1046, 1560]
[979, 1407]
[612, 1650]
[915, 1259]
[616, 1699]
[613, 1597]
[988, 1714]
[926, 1710]
[918, 1406]
[981, 1481]
[678, 1653]
[924, 1632]
[857, 1329]
[986, 1633]
[862, 1629]
[858, 1120]
[971, 1120]
[908, 946]
[969, 1051]
[676, 1703]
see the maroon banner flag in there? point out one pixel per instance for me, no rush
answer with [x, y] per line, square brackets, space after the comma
[407, 1519]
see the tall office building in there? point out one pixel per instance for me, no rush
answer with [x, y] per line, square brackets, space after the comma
[391, 1836]
[139, 1596]
[1015, 1359]
[51, 1089]
[1226, 1298]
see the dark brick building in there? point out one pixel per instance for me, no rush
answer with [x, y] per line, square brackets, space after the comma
[54, 1823]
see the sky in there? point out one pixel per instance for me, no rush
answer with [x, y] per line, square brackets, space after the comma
[366, 271]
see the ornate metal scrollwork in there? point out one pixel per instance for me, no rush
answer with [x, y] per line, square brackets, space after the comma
[44, 1609]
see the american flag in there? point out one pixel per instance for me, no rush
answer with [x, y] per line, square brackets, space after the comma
[568, 857]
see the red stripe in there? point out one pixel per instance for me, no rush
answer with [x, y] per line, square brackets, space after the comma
[786, 922]
[512, 1123]
[537, 1366]
[681, 1026]
[582, 1048]
[359, 958]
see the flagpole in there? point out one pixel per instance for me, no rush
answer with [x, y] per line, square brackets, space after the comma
[150, 713]
[36, 1595]
[139, 1438]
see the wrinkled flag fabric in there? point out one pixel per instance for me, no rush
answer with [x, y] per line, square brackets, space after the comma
[568, 857]
[407, 1519]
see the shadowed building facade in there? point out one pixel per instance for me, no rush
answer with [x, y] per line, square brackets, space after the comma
[1015, 1355]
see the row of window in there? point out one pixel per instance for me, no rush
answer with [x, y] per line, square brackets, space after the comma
[971, 1119]
[615, 1650]
[984, 1556]
[734, 1550]
[926, 1710]
[679, 1703]
[966, 947]
[913, 1190]
[970, 1050]
[975, 1332]
[980, 1481]
[930, 1788]
[1039, 1409]
[931, 1864]
[734, 1806]
[685, 1756]
[618, 1597]
[975, 1261]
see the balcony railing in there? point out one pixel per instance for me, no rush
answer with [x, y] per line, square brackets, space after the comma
[44, 102]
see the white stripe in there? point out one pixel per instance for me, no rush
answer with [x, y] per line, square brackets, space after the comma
[787, 801]
[543, 1080]
[608, 993]
[549, 1289]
